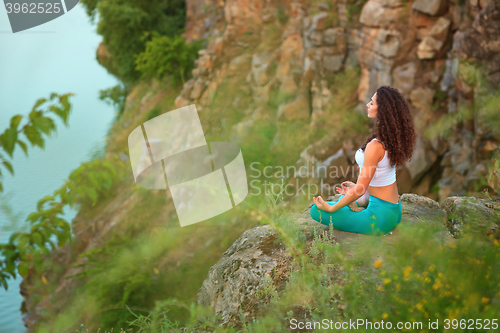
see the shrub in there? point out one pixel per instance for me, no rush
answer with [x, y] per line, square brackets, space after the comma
[166, 55]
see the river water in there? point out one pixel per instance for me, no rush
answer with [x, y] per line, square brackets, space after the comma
[58, 56]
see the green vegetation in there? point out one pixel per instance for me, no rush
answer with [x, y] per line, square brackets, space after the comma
[166, 55]
[122, 24]
[484, 109]
[116, 96]
[37, 126]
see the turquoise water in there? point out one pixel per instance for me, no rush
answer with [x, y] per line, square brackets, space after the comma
[58, 56]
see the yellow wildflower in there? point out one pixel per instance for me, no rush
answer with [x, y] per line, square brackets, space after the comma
[485, 300]
[377, 263]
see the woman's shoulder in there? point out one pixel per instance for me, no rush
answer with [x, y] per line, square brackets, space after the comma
[377, 148]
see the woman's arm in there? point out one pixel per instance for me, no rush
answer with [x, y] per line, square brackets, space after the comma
[374, 152]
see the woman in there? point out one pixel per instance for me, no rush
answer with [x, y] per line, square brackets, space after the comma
[389, 146]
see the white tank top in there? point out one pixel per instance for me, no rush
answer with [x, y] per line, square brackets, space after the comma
[384, 174]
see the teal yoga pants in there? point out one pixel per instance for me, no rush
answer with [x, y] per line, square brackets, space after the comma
[378, 218]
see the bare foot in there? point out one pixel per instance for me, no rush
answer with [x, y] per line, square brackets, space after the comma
[355, 207]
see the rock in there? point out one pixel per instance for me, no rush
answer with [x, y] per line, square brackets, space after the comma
[216, 46]
[374, 14]
[208, 96]
[181, 102]
[486, 150]
[405, 183]
[188, 88]
[234, 281]
[431, 7]
[261, 66]
[387, 43]
[403, 77]
[335, 37]
[320, 21]
[199, 87]
[432, 43]
[288, 85]
[239, 64]
[297, 109]
[243, 14]
[421, 100]
[470, 214]
[417, 208]
[334, 169]
[333, 63]
[422, 160]
[390, 3]
[314, 38]
[323, 7]
[268, 18]
[423, 187]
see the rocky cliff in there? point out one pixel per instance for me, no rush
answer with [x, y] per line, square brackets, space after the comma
[419, 47]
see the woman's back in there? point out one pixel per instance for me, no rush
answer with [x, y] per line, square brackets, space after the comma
[383, 184]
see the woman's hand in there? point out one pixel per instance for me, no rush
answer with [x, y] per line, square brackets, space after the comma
[346, 187]
[321, 204]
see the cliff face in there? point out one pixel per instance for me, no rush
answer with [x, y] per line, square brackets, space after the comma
[416, 46]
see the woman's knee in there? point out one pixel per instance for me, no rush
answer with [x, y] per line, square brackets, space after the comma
[314, 212]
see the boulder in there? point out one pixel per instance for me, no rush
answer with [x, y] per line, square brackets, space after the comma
[199, 87]
[471, 214]
[433, 42]
[422, 160]
[234, 281]
[403, 77]
[431, 7]
[333, 63]
[375, 14]
[320, 21]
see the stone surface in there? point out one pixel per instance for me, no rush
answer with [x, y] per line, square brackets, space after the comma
[433, 42]
[239, 64]
[422, 160]
[471, 214]
[319, 21]
[431, 7]
[240, 273]
[403, 77]
[375, 14]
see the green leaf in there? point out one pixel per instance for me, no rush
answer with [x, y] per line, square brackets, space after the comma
[38, 103]
[14, 121]
[8, 166]
[8, 140]
[37, 239]
[42, 201]
[4, 283]
[23, 145]
[22, 268]
[45, 124]
[34, 136]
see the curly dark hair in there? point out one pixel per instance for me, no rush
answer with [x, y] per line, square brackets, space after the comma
[394, 126]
